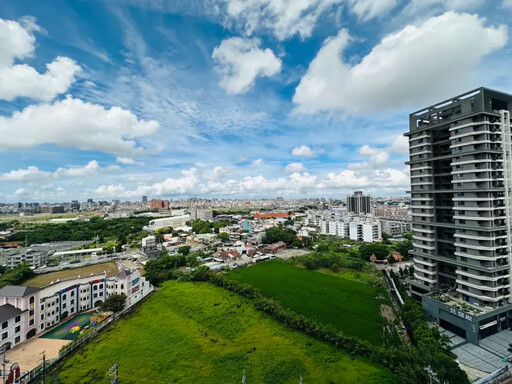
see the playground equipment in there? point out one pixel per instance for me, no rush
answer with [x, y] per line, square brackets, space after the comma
[75, 329]
[98, 318]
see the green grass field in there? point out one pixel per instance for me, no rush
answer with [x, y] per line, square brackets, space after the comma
[342, 301]
[199, 333]
[46, 278]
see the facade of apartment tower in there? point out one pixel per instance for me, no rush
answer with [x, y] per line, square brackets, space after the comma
[359, 203]
[460, 162]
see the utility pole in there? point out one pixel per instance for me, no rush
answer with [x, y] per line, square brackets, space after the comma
[243, 377]
[300, 381]
[4, 363]
[44, 366]
[113, 372]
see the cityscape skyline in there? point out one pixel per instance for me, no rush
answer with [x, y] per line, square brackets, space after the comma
[172, 101]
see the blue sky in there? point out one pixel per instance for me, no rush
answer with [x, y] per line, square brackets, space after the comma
[230, 98]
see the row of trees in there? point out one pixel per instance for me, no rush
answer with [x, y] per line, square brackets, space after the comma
[289, 236]
[202, 227]
[120, 230]
[333, 261]
[16, 275]
[409, 364]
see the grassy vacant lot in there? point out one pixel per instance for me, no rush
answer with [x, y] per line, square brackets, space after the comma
[47, 278]
[199, 333]
[349, 305]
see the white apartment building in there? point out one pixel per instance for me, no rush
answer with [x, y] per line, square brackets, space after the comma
[12, 320]
[343, 224]
[395, 228]
[201, 214]
[35, 258]
[173, 222]
[367, 232]
[27, 311]
[338, 228]
[151, 248]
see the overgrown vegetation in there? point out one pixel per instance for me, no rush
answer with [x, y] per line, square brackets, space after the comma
[17, 275]
[409, 364]
[169, 267]
[429, 342]
[198, 333]
[275, 234]
[202, 227]
[334, 261]
[119, 231]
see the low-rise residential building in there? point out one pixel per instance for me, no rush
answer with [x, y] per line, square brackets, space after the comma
[35, 258]
[391, 212]
[151, 248]
[366, 231]
[27, 311]
[395, 228]
[274, 248]
[12, 320]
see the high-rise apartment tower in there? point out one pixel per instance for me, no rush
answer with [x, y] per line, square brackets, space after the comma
[461, 180]
[359, 203]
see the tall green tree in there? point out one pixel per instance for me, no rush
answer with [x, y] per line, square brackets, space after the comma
[114, 303]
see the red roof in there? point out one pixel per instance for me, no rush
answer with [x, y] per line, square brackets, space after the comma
[275, 215]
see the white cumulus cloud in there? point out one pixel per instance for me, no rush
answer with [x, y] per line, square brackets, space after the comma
[241, 61]
[91, 168]
[303, 151]
[126, 160]
[22, 192]
[33, 173]
[75, 123]
[295, 167]
[17, 42]
[412, 66]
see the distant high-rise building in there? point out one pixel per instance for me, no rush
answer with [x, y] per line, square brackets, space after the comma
[359, 203]
[159, 204]
[201, 214]
[52, 209]
[144, 199]
[75, 205]
[461, 190]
